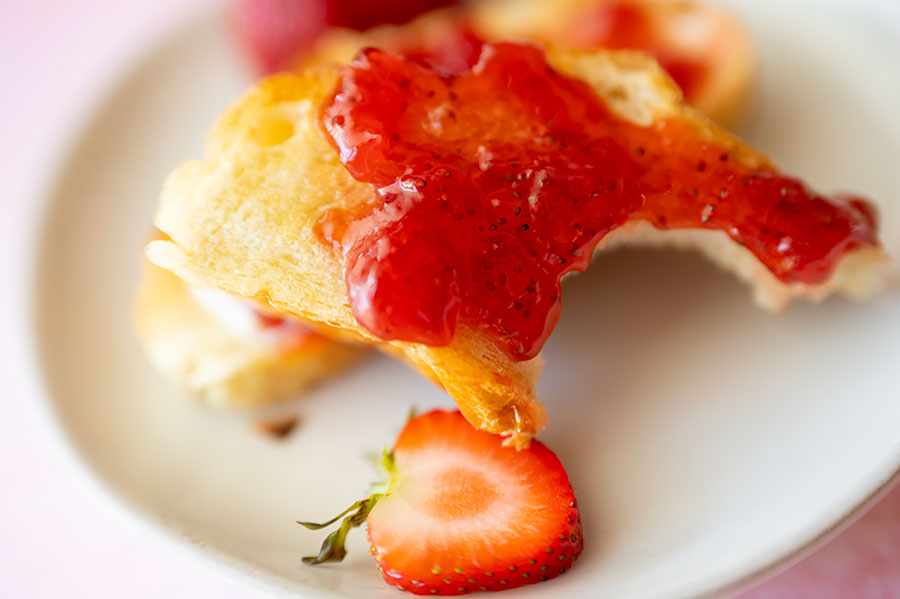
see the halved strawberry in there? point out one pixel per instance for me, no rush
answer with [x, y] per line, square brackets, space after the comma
[463, 513]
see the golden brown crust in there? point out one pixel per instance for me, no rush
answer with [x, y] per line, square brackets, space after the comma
[242, 221]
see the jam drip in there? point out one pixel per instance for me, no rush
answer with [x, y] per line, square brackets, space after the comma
[492, 184]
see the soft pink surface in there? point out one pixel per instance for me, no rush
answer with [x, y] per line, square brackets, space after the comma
[56, 543]
[862, 563]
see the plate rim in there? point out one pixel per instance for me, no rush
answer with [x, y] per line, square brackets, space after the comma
[42, 407]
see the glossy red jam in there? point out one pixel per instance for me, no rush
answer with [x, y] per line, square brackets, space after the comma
[287, 334]
[267, 321]
[626, 24]
[492, 184]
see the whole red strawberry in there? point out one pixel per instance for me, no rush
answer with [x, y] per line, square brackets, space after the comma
[361, 14]
[275, 32]
[463, 513]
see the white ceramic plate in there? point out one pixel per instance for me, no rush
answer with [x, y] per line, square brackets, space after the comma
[706, 440]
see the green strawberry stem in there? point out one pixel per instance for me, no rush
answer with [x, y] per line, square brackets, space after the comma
[332, 549]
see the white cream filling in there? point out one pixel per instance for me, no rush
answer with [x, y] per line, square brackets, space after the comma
[236, 315]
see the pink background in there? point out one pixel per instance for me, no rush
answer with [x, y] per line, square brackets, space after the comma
[54, 541]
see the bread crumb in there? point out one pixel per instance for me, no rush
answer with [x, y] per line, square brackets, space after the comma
[277, 428]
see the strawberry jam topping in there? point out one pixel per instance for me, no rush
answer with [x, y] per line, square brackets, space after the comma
[287, 334]
[492, 184]
[626, 24]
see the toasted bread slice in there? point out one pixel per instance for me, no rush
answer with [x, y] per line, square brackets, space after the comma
[687, 31]
[232, 364]
[242, 220]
